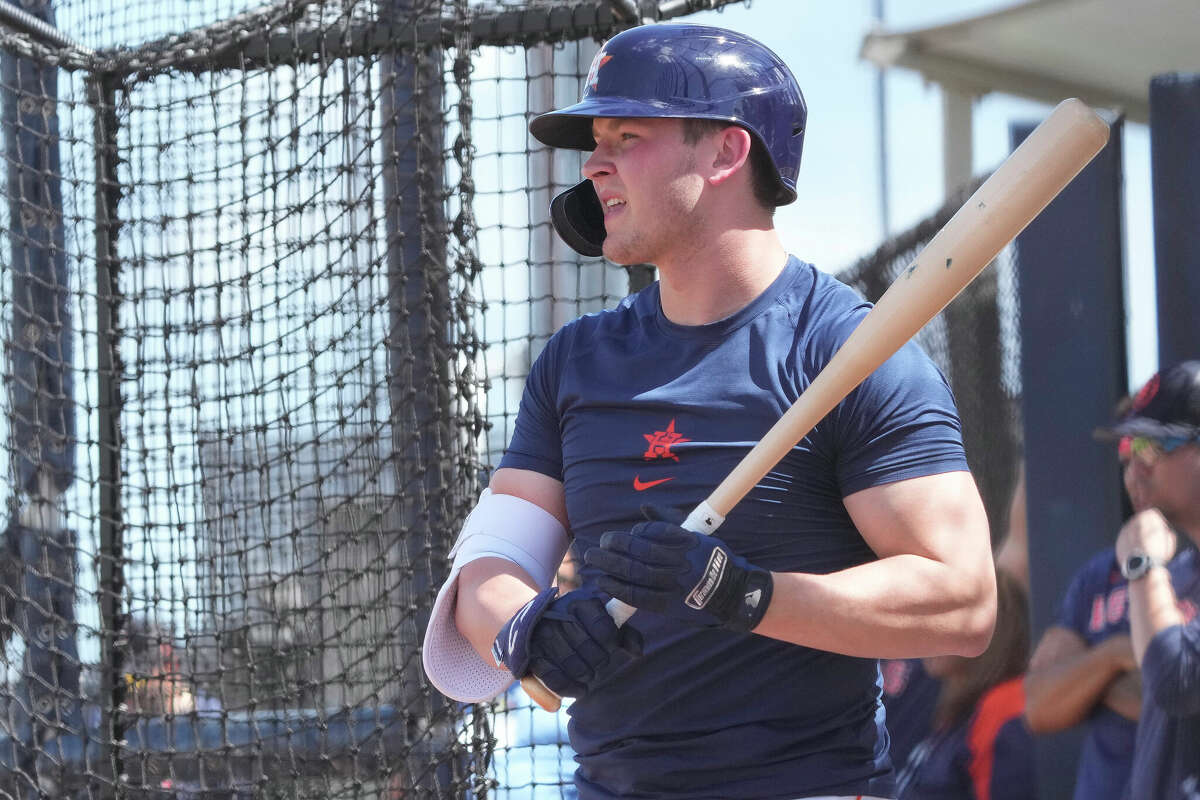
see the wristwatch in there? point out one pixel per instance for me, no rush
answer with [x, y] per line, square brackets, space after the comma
[1137, 564]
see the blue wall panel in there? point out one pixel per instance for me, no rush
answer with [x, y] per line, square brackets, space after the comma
[1073, 373]
[1175, 165]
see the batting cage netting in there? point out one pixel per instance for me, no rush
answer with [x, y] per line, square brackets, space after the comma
[976, 341]
[272, 278]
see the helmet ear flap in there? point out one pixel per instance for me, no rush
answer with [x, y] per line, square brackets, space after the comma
[579, 219]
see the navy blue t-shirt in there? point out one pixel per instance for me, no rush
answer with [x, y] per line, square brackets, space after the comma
[626, 408]
[1167, 761]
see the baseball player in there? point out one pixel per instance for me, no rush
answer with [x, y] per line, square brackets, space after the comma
[750, 669]
[1163, 479]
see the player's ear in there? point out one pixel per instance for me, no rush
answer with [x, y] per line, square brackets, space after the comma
[732, 153]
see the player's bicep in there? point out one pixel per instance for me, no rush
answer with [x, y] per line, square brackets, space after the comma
[939, 517]
[535, 487]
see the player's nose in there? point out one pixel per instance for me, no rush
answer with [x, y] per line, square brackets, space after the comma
[597, 165]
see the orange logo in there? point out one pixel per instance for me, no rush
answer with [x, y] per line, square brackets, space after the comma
[661, 443]
[1146, 394]
[599, 61]
[641, 486]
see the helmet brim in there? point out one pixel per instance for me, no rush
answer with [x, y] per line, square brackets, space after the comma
[571, 127]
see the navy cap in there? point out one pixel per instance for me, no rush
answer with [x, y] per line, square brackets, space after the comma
[1167, 406]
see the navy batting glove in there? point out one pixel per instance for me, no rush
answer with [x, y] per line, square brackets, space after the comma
[659, 566]
[570, 642]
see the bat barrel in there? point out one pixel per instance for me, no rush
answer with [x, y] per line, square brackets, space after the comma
[999, 209]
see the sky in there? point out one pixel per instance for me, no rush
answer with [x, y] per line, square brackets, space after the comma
[837, 219]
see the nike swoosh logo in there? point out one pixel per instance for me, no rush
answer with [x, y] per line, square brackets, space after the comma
[642, 486]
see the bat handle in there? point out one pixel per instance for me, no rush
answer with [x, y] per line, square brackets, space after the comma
[703, 519]
[539, 694]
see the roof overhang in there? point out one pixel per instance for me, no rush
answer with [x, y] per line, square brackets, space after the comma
[1102, 51]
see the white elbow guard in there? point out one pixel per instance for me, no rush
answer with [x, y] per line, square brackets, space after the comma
[501, 526]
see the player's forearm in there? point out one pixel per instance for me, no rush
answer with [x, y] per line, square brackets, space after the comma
[904, 606]
[490, 591]
[1152, 608]
[1062, 694]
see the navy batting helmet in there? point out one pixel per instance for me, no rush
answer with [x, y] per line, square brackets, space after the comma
[680, 71]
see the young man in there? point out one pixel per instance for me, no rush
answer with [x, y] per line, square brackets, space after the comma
[1164, 480]
[750, 669]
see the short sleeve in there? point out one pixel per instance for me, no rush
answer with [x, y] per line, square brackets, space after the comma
[1084, 607]
[900, 423]
[1075, 610]
[537, 442]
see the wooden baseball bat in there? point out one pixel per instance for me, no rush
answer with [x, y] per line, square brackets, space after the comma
[1016, 192]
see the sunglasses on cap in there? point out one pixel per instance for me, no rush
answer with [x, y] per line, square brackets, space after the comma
[1148, 449]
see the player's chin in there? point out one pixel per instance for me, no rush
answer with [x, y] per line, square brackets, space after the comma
[623, 252]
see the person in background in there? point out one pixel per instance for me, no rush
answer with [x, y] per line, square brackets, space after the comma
[909, 692]
[156, 683]
[1163, 479]
[1083, 672]
[980, 747]
[1012, 554]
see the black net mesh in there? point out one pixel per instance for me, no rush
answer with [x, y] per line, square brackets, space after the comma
[273, 276]
[976, 341]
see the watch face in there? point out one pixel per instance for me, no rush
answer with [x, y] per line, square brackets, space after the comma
[1136, 565]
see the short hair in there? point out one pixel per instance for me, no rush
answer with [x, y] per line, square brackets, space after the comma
[764, 177]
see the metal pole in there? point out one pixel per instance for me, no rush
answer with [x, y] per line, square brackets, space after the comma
[885, 216]
[102, 95]
[40, 385]
[419, 360]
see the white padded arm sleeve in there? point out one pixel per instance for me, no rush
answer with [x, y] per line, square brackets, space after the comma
[501, 526]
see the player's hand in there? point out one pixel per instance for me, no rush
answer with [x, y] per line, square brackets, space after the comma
[659, 566]
[569, 642]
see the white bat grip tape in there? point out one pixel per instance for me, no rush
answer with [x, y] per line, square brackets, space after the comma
[703, 519]
[620, 612]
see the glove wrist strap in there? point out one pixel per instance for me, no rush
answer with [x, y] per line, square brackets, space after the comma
[746, 600]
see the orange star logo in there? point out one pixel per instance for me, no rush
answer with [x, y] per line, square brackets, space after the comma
[661, 443]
